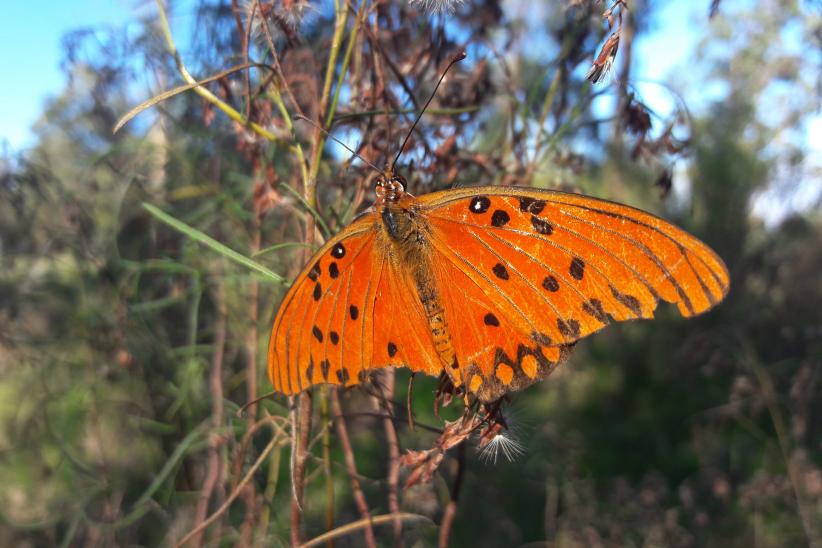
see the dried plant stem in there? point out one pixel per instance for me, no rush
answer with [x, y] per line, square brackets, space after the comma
[352, 39]
[349, 528]
[215, 380]
[327, 472]
[341, 10]
[543, 116]
[351, 467]
[300, 442]
[270, 490]
[277, 439]
[451, 508]
[626, 45]
[383, 404]
[252, 335]
[299, 449]
[243, 32]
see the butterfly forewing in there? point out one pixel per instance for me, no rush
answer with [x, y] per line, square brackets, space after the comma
[564, 265]
[324, 324]
[353, 309]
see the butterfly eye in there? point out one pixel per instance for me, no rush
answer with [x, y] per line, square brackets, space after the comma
[399, 180]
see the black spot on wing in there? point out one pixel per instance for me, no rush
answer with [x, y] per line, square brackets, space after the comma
[594, 308]
[577, 268]
[325, 365]
[541, 338]
[479, 204]
[333, 270]
[318, 291]
[628, 301]
[568, 328]
[318, 334]
[541, 226]
[342, 375]
[550, 283]
[334, 337]
[491, 320]
[309, 371]
[500, 271]
[354, 312]
[392, 349]
[315, 272]
[500, 218]
[338, 250]
[531, 205]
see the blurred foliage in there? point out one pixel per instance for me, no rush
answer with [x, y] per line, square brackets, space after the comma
[113, 324]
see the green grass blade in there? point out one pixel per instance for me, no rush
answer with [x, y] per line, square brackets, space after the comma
[275, 247]
[222, 249]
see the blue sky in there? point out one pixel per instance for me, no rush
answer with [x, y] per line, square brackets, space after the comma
[30, 54]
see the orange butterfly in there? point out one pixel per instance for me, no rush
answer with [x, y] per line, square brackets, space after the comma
[490, 285]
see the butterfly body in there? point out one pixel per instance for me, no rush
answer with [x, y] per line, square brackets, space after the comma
[405, 240]
[489, 285]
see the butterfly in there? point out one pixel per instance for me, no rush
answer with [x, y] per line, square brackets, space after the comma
[490, 286]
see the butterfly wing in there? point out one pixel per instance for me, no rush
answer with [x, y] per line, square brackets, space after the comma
[351, 310]
[538, 270]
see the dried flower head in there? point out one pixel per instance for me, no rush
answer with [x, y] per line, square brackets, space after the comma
[636, 116]
[423, 464]
[499, 437]
[279, 18]
[436, 6]
[496, 439]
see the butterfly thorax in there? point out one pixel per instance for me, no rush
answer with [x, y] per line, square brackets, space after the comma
[407, 234]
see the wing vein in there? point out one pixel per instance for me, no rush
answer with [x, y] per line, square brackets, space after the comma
[682, 248]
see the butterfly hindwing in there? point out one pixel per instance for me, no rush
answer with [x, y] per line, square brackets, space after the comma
[401, 336]
[498, 350]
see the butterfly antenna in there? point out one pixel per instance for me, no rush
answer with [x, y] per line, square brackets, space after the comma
[327, 134]
[458, 57]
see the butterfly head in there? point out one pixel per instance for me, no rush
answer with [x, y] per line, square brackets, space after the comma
[390, 186]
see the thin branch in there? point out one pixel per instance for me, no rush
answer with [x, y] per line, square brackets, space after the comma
[327, 472]
[386, 387]
[451, 509]
[299, 450]
[215, 382]
[244, 36]
[351, 466]
[351, 527]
